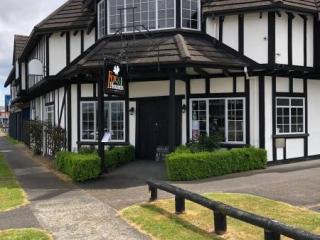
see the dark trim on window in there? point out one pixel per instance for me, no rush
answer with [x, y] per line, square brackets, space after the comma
[234, 84]
[207, 85]
[78, 112]
[94, 90]
[262, 111]
[241, 36]
[271, 37]
[306, 129]
[290, 17]
[47, 55]
[70, 119]
[274, 150]
[291, 85]
[247, 93]
[288, 94]
[82, 41]
[316, 43]
[218, 95]
[68, 48]
[188, 108]
[126, 109]
[292, 136]
[305, 40]
[221, 19]
[178, 14]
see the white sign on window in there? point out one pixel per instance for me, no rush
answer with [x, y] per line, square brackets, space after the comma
[106, 138]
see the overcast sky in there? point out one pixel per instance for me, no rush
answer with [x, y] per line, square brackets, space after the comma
[18, 17]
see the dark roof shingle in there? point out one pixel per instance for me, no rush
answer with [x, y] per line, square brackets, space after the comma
[173, 49]
[71, 15]
[220, 6]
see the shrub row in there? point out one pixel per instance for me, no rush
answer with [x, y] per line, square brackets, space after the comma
[80, 167]
[118, 156]
[183, 165]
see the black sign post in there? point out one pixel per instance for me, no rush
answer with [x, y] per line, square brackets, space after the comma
[110, 83]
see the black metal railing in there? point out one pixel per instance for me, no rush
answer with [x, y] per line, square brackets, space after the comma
[272, 228]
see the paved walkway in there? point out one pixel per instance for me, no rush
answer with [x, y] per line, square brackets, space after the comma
[62, 208]
[296, 183]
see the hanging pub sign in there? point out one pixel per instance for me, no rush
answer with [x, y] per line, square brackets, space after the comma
[114, 81]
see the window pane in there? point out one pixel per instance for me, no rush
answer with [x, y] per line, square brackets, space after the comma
[199, 115]
[217, 116]
[282, 102]
[88, 121]
[235, 120]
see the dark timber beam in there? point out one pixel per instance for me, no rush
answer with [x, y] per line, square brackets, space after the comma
[172, 113]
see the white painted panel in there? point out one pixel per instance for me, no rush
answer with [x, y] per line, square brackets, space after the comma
[75, 45]
[297, 85]
[282, 39]
[197, 86]
[297, 41]
[310, 41]
[256, 37]
[231, 31]
[268, 117]
[282, 84]
[74, 117]
[57, 53]
[132, 124]
[180, 87]
[254, 111]
[61, 95]
[184, 125]
[295, 148]
[148, 89]
[313, 117]
[17, 70]
[89, 39]
[221, 85]
[86, 90]
[240, 84]
[280, 153]
[212, 27]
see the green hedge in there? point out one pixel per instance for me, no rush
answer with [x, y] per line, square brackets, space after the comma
[183, 166]
[118, 156]
[80, 167]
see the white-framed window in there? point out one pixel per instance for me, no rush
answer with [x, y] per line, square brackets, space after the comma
[88, 121]
[149, 15]
[49, 114]
[219, 115]
[190, 14]
[101, 19]
[290, 115]
[114, 116]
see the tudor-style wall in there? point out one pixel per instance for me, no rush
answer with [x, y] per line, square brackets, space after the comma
[252, 35]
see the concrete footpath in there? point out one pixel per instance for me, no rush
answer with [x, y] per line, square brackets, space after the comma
[62, 208]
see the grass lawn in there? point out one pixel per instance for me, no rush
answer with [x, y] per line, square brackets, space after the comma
[158, 219]
[24, 234]
[11, 194]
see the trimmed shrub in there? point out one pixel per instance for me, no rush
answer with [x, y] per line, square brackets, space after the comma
[182, 166]
[80, 167]
[118, 156]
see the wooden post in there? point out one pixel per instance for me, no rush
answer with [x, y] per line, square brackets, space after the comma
[180, 204]
[270, 235]
[220, 223]
[154, 193]
[101, 114]
[172, 114]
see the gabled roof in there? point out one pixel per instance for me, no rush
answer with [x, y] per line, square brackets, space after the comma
[224, 6]
[10, 78]
[20, 42]
[71, 15]
[174, 48]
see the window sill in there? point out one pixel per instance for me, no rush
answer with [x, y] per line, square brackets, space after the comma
[294, 135]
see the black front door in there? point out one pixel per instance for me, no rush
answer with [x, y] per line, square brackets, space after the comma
[153, 126]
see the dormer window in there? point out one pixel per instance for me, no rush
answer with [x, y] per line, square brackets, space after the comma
[147, 15]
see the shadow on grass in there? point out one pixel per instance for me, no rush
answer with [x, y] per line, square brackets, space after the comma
[180, 221]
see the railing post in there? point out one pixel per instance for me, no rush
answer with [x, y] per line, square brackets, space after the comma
[270, 235]
[220, 223]
[180, 204]
[154, 193]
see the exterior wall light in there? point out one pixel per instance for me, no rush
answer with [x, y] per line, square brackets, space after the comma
[131, 111]
[184, 108]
